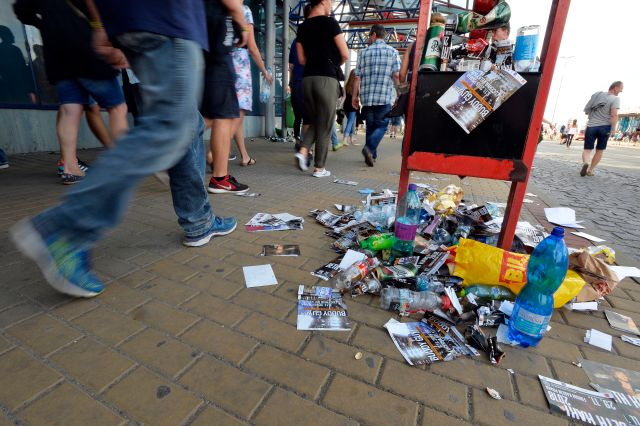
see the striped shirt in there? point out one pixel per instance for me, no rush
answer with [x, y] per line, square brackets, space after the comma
[376, 64]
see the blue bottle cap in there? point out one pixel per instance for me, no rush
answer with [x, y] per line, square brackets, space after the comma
[558, 231]
[413, 187]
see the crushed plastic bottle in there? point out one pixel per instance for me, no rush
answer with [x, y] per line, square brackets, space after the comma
[354, 273]
[488, 292]
[404, 301]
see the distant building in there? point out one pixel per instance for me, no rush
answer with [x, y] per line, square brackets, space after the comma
[628, 121]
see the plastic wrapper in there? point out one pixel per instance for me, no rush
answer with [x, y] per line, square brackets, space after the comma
[447, 200]
[607, 252]
[602, 280]
[478, 263]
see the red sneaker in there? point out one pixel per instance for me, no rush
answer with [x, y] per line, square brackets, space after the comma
[228, 184]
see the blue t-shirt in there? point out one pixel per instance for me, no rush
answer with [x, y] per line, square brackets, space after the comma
[172, 18]
[297, 74]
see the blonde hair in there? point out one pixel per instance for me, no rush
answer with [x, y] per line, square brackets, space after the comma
[348, 87]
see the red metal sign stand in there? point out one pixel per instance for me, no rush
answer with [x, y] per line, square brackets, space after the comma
[515, 171]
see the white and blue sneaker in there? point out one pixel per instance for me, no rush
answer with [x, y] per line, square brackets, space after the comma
[220, 226]
[66, 268]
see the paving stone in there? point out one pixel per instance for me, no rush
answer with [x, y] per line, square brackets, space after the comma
[183, 256]
[18, 313]
[107, 325]
[148, 398]
[371, 315]
[171, 269]
[221, 287]
[476, 374]
[264, 303]
[289, 370]
[9, 299]
[286, 408]
[420, 385]
[74, 308]
[585, 320]
[432, 417]
[215, 416]
[157, 350]
[4, 344]
[23, 378]
[75, 406]
[294, 274]
[571, 374]
[340, 357]
[376, 340]
[220, 340]
[216, 309]
[623, 303]
[43, 334]
[113, 267]
[488, 411]
[524, 361]
[122, 298]
[92, 363]
[530, 391]
[610, 358]
[562, 350]
[167, 290]
[226, 386]
[564, 333]
[372, 405]
[276, 333]
[625, 349]
[165, 317]
[136, 278]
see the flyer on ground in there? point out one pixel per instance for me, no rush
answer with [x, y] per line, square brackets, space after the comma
[476, 94]
[321, 308]
[621, 322]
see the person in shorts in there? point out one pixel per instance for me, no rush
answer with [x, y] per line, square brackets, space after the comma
[602, 110]
[77, 72]
[220, 105]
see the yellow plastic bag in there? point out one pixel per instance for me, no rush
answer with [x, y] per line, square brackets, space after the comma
[478, 263]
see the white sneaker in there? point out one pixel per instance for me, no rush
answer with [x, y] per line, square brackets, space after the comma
[301, 162]
[322, 173]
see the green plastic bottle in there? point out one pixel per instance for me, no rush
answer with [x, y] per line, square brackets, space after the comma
[489, 292]
[378, 242]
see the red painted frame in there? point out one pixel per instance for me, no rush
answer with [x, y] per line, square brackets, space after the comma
[490, 168]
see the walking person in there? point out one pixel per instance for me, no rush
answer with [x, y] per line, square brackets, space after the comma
[571, 133]
[322, 49]
[77, 72]
[220, 106]
[377, 73]
[163, 45]
[4, 161]
[602, 110]
[349, 110]
[244, 89]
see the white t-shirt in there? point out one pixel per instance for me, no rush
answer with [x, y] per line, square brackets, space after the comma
[573, 130]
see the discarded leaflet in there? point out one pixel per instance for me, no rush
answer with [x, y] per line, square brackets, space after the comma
[329, 270]
[321, 308]
[280, 250]
[621, 322]
[274, 222]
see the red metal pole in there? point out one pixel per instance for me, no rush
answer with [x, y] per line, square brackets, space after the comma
[553, 37]
[423, 24]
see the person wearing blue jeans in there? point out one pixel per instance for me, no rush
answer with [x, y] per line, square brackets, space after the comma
[4, 162]
[168, 137]
[377, 125]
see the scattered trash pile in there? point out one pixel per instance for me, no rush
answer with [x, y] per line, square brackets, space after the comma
[437, 263]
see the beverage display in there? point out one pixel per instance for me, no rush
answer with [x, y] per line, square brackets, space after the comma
[546, 270]
[407, 221]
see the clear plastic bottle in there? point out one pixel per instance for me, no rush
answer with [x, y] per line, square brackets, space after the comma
[403, 300]
[427, 283]
[354, 273]
[407, 221]
[546, 270]
[524, 55]
[489, 292]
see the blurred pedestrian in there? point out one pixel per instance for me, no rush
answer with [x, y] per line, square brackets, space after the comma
[322, 49]
[573, 129]
[163, 45]
[349, 110]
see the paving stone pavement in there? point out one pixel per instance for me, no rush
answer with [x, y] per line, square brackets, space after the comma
[177, 338]
[608, 202]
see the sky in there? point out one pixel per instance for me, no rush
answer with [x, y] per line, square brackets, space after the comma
[598, 47]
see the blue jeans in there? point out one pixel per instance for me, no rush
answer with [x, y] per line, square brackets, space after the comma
[334, 135]
[350, 127]
[3, 157]
[169, 136]
[599, 134]
[377, 124]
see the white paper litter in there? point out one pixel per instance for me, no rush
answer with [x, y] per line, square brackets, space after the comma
[259, 276]
[503, 335]
[582, 306]
[599, 339]
[454, 299]
[625, 271]
[632, 340]
[527, 201]
[563, 216]
[351, 257]
[589, 237]
[530, 194]
[507, 307]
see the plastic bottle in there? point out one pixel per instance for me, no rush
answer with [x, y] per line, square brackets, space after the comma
[427, 283]
[524, 55]
[489, 292]
[404, 300]
[378, 242]
[354, 273]
[407, 221]
[534, 305]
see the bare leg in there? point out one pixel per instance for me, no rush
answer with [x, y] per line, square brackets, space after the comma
[118, 125]
[220, 145]
[596, 159]
[238, 135]
[67, 127]
[99, 130]
[586, 156]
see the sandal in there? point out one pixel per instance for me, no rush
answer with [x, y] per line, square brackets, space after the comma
[251, 162]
